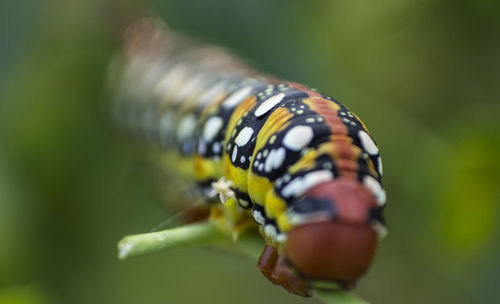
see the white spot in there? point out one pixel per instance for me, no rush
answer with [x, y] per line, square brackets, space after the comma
[380, 167]
[202, 147]
[258, 217]
[327, 166]
[367, 143]
[281, 238]
[270, 231]
[279, 157]
[268, 104]
[235, 153]
[278, 183]
[310, 120]
[237, 97]
[244, 203]
[244, 136]
[297, 219]
[272, 139]
[242, 159]
[186, 127]
[261, 166]
[256, 164]
[216, 148]
[213, 93]
[300, 185]
[298, 137]
[380, 229]
[375, 187]
[212, 128]
[275, 159]
[269, 161]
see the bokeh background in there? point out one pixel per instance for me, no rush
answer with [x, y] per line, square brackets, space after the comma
[424, 76]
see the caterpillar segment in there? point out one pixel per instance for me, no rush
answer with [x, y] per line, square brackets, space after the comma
[265, 154]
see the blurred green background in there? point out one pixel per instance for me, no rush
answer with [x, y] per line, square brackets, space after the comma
[423, 75]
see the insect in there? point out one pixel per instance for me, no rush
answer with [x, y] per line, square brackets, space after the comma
[267, 154]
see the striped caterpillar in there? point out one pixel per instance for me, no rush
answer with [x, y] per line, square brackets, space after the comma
[267, 154]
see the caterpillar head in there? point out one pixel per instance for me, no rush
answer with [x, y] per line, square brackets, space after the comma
[336, 240]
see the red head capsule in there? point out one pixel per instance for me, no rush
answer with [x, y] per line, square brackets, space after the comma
[341, 249]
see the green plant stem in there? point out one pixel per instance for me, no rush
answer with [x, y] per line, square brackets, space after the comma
[184, 236]
[206, 234]
[337, 297]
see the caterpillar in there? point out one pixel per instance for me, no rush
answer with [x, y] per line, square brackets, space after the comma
[264, 154]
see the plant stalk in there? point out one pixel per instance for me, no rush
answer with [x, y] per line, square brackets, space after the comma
[206, 234]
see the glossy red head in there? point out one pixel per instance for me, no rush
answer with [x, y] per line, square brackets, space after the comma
[339, 249]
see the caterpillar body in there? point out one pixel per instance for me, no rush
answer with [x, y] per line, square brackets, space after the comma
[280, 156]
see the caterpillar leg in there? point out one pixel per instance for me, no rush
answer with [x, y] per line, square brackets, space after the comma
[276, 269]
[267, 261]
